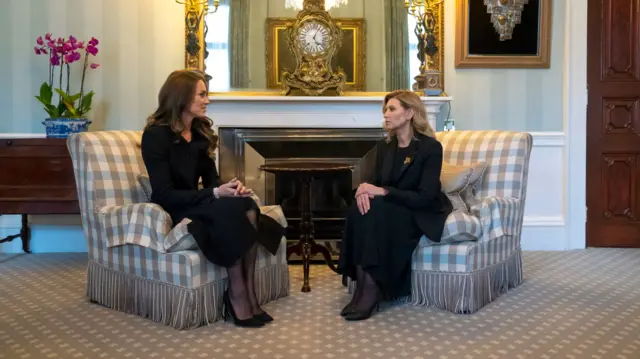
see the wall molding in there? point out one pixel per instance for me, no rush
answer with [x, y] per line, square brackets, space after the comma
[575, 123]
[543, 221]
[548, 139]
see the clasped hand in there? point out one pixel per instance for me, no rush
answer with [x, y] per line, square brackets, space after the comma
[365, 193]
[234, 188]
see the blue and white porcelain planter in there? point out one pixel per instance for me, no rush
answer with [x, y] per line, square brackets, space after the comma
[62, 127]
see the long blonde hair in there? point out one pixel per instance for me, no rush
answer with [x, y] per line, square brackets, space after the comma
[411, 101]
[175, 96]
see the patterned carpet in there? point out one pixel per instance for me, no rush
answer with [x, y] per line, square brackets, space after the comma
[581, 304]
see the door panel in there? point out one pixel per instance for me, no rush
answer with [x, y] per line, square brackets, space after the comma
[620, 37]
[613, 124]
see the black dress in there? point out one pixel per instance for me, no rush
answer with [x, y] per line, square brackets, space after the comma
[383, 240]
[220, 226]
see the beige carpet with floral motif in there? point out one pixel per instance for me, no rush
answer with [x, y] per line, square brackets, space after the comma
[578, 304]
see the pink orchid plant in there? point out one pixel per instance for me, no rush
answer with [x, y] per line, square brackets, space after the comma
[62, 53]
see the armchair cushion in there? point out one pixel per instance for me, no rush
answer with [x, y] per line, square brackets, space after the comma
[146, 185]
[498, 216]
[461, 226]
[458, 227]
[143, 224]
[459, 182]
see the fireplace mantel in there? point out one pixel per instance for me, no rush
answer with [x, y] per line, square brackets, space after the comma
[306, 111]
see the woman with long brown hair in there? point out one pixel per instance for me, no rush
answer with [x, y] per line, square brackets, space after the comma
[400, 203]
[178, 146]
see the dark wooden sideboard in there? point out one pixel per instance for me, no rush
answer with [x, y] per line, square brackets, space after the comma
[36, 177]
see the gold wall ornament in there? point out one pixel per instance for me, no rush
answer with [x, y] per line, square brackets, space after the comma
[314, 39]
[429, 30]
[505, 15]
[196, 31]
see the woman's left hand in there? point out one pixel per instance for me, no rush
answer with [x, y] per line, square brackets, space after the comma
[371, 190]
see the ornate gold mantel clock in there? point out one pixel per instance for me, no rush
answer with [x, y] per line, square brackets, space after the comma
[314, 39]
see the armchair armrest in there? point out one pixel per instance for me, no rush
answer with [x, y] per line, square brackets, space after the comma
[498, 216]
[144, 224]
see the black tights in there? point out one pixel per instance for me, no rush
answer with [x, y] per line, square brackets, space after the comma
[367, 291]
[242, 291]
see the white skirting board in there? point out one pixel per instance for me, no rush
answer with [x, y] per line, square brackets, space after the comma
[544, 226]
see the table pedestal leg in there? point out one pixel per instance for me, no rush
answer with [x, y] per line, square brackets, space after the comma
[25, 235]
[306, 229]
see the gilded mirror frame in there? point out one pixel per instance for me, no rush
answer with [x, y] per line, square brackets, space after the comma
[195, 49]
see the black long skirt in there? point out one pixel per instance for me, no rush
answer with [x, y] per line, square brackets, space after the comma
[382, 241]
[224, 233]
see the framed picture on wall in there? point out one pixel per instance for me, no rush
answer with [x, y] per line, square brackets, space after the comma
[480, 45]
[350, 57]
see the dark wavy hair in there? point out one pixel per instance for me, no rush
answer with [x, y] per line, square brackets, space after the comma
[175, 96]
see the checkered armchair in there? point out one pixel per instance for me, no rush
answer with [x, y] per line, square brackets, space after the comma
[479, 256]
[139, 261]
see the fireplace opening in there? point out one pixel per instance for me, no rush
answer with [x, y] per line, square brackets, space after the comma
[243, 150]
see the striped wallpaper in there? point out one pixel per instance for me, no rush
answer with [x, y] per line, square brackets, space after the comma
[141, 41]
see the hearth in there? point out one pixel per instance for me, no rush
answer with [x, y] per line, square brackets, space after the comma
[243, 150]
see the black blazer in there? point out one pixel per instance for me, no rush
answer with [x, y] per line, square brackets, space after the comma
[175, 167]
[418, 186]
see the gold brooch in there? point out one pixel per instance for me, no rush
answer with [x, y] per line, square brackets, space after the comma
[407, 160]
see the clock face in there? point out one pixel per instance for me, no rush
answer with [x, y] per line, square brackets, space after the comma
[313, 37]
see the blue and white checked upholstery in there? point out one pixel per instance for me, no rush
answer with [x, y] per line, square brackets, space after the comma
[463, 274]
[499, 196]
[126, 233]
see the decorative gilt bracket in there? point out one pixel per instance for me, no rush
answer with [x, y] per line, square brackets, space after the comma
[195, 32]
[429, 30]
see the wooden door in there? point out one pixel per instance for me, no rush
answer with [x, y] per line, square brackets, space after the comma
[613, 124]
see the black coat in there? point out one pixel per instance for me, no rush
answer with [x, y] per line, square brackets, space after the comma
[418, 185]
[220, 226]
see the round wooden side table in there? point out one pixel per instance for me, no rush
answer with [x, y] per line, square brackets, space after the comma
[304, 173]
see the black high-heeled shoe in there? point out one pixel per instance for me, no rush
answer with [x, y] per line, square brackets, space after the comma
[264, 317]
[349, 308]
[228, 311]
[363, 314]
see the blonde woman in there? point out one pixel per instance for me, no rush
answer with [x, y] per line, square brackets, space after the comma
[401, 202]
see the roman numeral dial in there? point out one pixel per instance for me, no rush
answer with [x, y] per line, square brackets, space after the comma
[313, 37]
